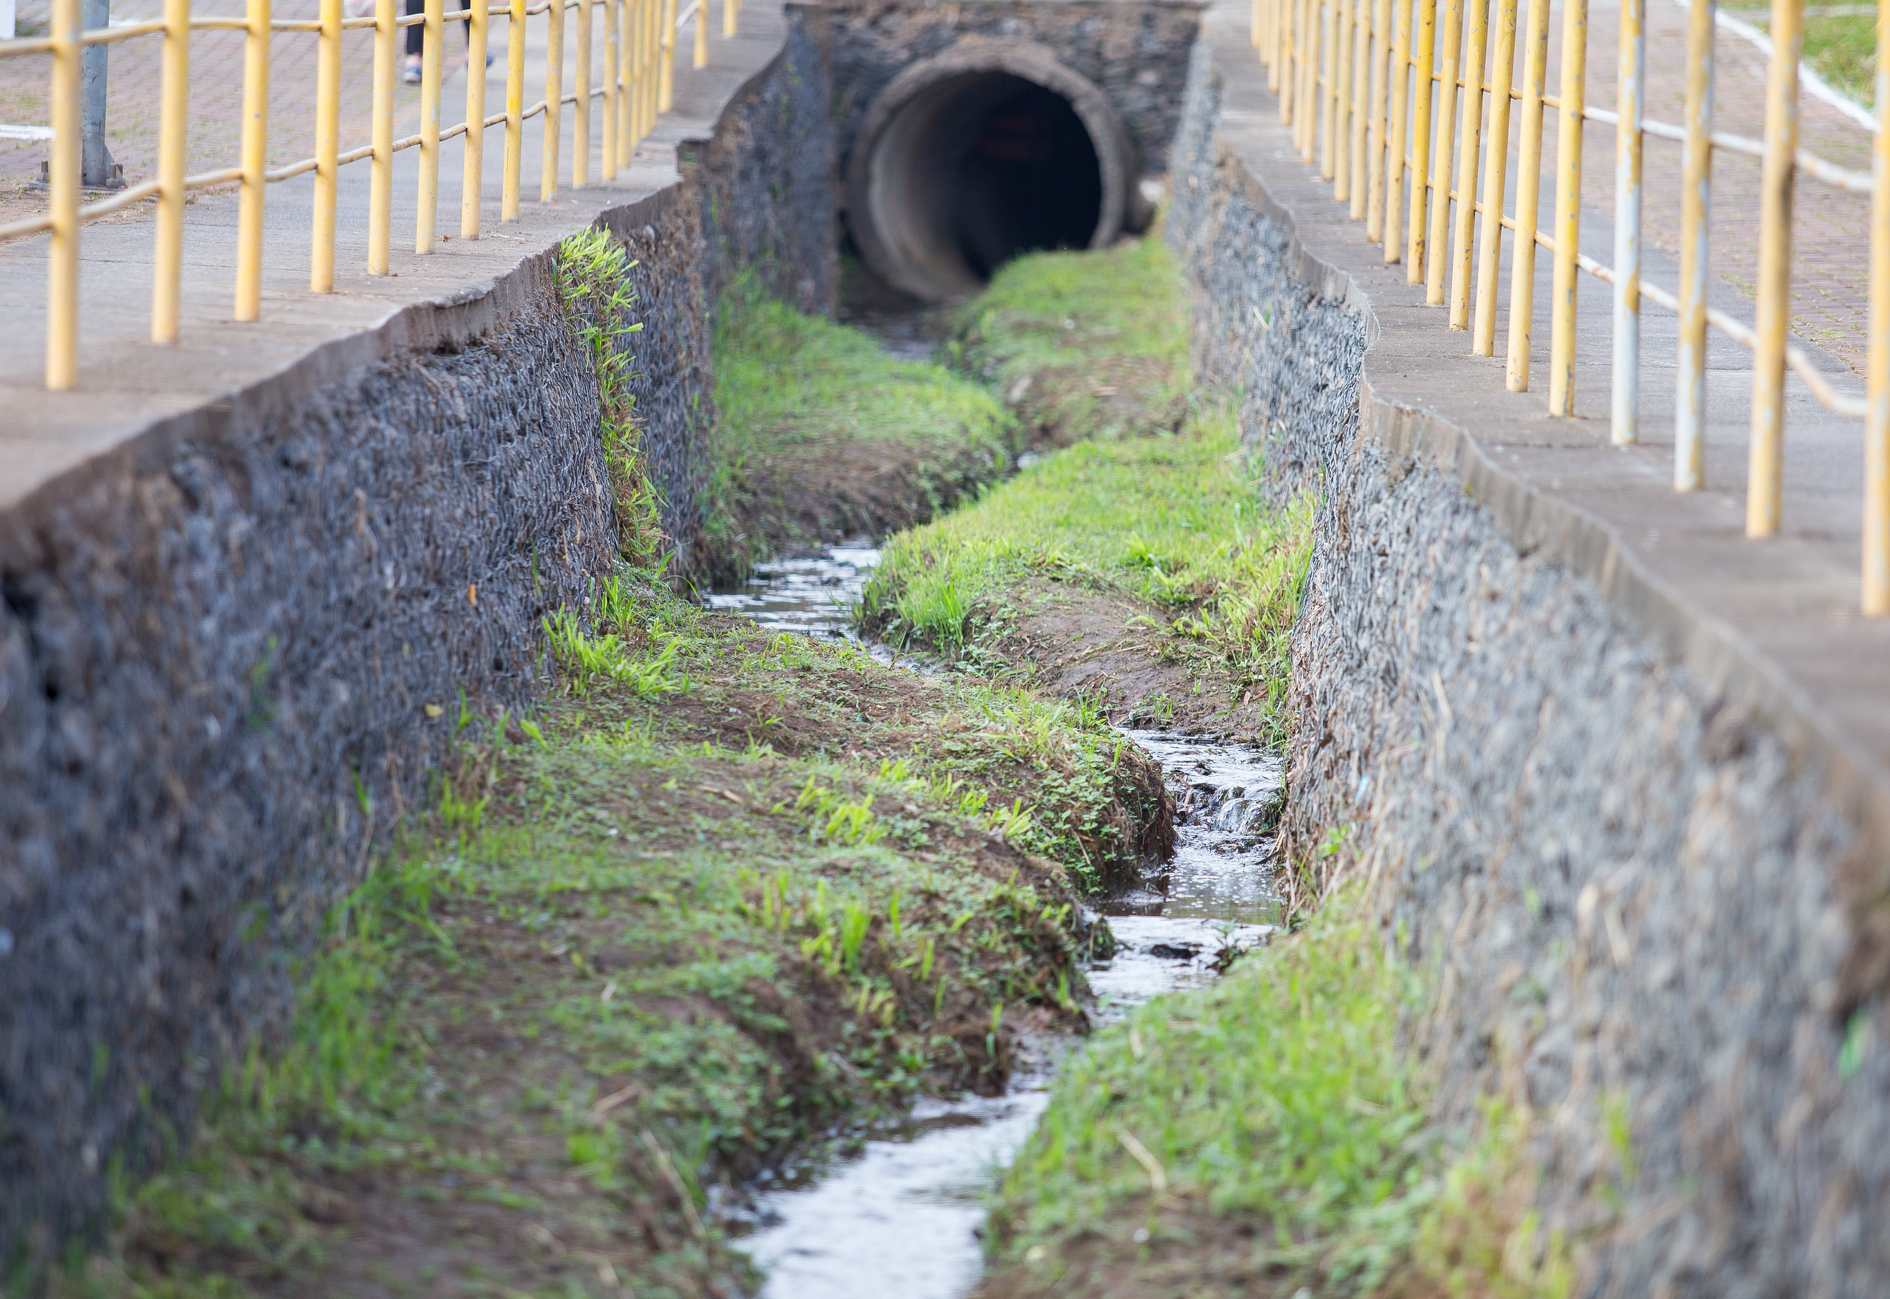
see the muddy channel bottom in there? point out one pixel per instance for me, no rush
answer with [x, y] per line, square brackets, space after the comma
[902, 1216]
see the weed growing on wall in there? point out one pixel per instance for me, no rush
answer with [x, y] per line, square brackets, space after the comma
[594, 286]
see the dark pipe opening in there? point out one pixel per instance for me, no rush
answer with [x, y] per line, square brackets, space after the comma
[1028, 179]
[960, 168]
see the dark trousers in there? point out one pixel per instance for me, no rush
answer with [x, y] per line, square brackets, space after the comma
[416, 34]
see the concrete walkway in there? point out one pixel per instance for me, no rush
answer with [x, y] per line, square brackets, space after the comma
[1769, 625]
[127, 383]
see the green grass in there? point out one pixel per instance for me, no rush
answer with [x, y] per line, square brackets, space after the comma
[724, 895]
[1841, 48]
[1084, 344]
[1277, 1100]
[1173, 520]
[819, 431]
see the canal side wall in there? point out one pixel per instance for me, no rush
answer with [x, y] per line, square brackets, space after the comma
[232, 650]
[1650, 914]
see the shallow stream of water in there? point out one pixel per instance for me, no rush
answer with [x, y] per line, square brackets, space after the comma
[902, 1216]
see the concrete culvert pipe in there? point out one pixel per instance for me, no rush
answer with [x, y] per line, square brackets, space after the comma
[978, 154]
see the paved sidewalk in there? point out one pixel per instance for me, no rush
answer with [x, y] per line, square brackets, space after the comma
[216, 93]
[1831, 228]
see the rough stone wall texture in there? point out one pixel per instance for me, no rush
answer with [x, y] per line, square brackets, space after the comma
[771, 176]
[759, 196]
[1619, 886]
[1135, 53]
[206, 641]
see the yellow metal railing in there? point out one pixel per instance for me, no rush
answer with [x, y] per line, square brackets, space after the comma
[639, 37]
[1374, 91]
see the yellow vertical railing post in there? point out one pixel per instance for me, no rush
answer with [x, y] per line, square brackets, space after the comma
[639, 67]
[1396, 134]
[514, 111]
[612, 38]
[1279, 37]
[1331, 35]
[1522, 261]
[321, 271]
[1361, 103]
[381, 110]
[653, 51]
[1422, 88]
[62, 259]
[649, 82]
[1696, 197]
[554, 99]
[428, 214]
[1876, 601]
[1291, 58]
[626, 91]
[1375, 124]
[634, 15]
[473, 175]
[1436, 239]
[1339, 142]
[1311, 26]
[1469, 151]
[249, 210]
[1305, 45]
[1624, 424]
[1495, 180]
[581, 88]
[1772, 312]
[1568, 206]
[701, 59]
[666, 61]
[173, 125]
[731, 9]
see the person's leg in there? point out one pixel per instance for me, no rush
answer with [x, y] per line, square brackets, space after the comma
[416, 42]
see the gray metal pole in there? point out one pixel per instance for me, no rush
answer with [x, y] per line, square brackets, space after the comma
[96, 170]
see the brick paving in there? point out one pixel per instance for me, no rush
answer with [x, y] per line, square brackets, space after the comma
[1831, 228]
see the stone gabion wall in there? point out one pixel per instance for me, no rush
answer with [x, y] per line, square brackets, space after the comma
[198, 659]
[229, 661]
[1135, 53]
[760, 197]
[771, 176]
[1619, 887]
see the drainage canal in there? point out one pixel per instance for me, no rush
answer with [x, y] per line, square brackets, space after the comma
[902, 1216]
[981, 153]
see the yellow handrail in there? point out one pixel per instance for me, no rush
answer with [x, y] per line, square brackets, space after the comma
[640, 44]
[1324, 61]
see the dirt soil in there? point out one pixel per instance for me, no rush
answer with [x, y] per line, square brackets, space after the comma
[1073, 641]
[622, 848]
[805, 495]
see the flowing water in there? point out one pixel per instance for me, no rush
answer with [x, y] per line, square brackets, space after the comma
[902, 1216]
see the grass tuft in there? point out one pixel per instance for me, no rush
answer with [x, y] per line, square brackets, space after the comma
[821, 435]
[1172, 521]
[1083, 344]
[1265, 1134]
